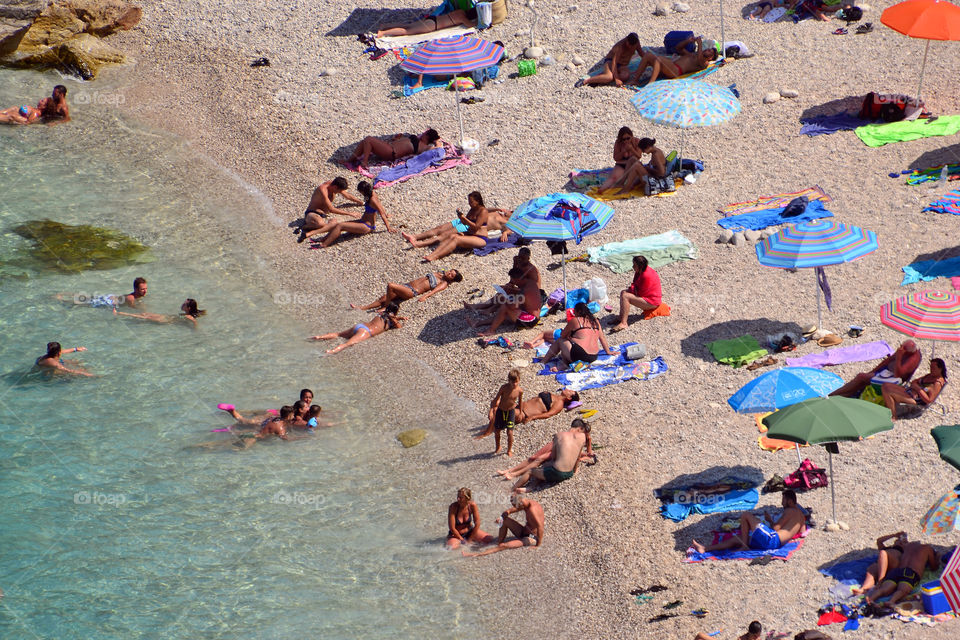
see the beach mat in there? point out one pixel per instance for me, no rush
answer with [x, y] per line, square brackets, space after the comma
[840, 355]
[396, 171]
[392, 43]
[596, 378]
[733, 500]
[919, 176]
[736, 351]
[759, 220]
[877, 135]
[429, 82]
[660, 249]
[777, 201]
[927, 270]
[947, 203]
[783, 553]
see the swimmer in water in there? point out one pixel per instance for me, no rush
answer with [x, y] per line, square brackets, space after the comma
[109, 300]
[188, 312]
[51, 360]
[50, 110]
[382, 322]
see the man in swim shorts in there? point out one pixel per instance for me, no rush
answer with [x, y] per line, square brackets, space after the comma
[616, 63]
[763, 536]
[50, 110]
[321, 204]
[529, 534]
[564, 459]
[899, 582]
[681, 64]
[503, 409]
[109, 299]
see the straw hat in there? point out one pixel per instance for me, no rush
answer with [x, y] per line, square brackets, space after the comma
[809, 330]
[830, 340]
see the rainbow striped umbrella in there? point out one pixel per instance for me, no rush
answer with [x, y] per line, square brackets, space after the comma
[815, 244]
[926, 315]
[450, 56]
[684, 104]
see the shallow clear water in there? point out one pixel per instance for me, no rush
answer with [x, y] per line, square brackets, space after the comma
[115, 524]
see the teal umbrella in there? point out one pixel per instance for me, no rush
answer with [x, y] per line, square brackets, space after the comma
[828, 421]
[948, 442]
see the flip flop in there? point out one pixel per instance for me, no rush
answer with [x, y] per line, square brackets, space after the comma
[223, 406]
[842, 31]
[574, 405]
[589, 413]
[866, 27]
[673, 605]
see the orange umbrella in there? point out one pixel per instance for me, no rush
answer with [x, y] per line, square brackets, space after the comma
[925, 19]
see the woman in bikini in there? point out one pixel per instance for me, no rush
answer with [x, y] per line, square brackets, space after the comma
[579, 340]
[626, 153]
[429, 285]
[367, 222]
[399, 146]
[657, 167]
[463, 522]
[546, 405]
[921, 392]
[188, 312]
[384, 321]
[458, 18]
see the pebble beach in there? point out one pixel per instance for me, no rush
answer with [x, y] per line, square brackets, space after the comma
[280, 128]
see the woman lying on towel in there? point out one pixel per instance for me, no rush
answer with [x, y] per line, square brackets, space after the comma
[458, 18]
[677, 65]
[921, 392]
[580, 339]
[383, 322]
[399, 146]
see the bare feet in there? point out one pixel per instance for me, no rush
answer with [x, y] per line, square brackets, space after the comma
[406, 236]
[699, 547]
[505, 473]
[520, 490]
[485, 334]
[618, 327]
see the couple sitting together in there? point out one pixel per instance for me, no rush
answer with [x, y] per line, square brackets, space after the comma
[616, 64]
[629, 168]
[891, 378]
[466, 231]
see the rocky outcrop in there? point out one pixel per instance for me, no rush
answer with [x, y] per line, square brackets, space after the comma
[63, 34]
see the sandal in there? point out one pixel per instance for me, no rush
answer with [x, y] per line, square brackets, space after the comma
[866, 27]
[842, 31]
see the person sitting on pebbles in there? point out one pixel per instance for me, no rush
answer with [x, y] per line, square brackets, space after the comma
[366, 224]
[321, 205]
[763, 536]
[644, 293]
[564, 457]
[463, 522]
[616, 64]
[529, 534]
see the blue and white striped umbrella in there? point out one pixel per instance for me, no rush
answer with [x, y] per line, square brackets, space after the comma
[560, 216]
[783, 387]
[685, 103]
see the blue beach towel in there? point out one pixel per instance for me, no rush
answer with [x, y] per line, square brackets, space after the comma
[413, 166]
[783, 553]
[758, 220]
[429, 82]
[851, 571]
[736, 500]
[947, 203]
[927, 270]
[615, 359]
[495, 245]
[825, 125]
[596, 378]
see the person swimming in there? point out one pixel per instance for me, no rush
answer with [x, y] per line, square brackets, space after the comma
[188, 312]
[52, 360]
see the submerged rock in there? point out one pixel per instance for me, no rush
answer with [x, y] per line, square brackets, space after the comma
[411, 437]
[77, 248]
[63, 34]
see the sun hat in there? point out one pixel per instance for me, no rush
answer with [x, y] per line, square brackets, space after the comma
[809, 330]
[830, 340]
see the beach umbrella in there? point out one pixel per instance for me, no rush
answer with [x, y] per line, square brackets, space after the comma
[450, 56]
[815, 244]
[924, 19]
[684, 104]
[784, 387]
[560, 217]
[950, 581]
[925, 315]
[942, 516]
[947, 438]
[828, 421]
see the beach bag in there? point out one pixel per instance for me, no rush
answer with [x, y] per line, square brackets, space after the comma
[484, 15]
[796, 207]
[484, 75]
[807, 476]
[526, 67]
[498, 9]
[890, 107]
[597, 288]
[673, 38]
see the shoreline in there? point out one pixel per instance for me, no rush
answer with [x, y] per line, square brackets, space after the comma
[597, 551]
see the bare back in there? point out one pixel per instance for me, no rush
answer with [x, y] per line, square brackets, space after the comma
[790, 523]
[567, 446]
[918, 556]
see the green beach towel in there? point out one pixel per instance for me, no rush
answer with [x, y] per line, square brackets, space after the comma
[877, 135]
[660, 249]
[737, 351]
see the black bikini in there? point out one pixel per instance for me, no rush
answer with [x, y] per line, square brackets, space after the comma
[576, 351]
[547, 398]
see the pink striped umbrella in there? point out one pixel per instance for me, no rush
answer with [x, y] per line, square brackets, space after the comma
[950, 581]
[927, 315]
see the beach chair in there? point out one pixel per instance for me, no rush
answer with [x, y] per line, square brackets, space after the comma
[919, 410]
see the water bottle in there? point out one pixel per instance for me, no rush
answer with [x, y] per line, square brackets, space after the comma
[944, 174]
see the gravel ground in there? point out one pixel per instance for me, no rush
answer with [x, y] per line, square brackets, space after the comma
[278, 127]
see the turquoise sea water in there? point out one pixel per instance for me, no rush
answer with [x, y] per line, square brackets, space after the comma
[115, 525]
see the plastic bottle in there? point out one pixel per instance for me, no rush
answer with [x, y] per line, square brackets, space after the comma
[944, 174]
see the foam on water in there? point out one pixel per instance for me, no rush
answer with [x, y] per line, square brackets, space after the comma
[115, 524]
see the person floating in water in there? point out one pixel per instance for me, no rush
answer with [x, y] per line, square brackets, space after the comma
[109, 299]
[384, 321]
[51, 360]
[52, 110]
[188, 312]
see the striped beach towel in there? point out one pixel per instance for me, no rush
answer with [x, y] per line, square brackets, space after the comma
[778, 201]
[947, 203]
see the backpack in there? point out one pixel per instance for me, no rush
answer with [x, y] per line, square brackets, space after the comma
[807, 476]
[889, 107]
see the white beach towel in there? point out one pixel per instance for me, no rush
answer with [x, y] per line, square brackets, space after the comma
[398, 42]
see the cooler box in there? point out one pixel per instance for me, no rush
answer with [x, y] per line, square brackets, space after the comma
[934, 602]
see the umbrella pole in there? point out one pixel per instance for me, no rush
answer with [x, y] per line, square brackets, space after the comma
[923, 66]
[456, 97]
[563, 265]
[722, 42]
[796, 446]
[833, 495]
[816, 286]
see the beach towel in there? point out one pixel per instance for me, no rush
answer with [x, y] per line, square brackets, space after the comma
[429, 82]
[947, 203]
[736, 351]
[411, 167]
[596, 378]
[392, 43]
[828, 124]
[778, 201]
[661, 249]
[734, 500]
[840, 355]
[771, 444]
[850, 571]
[758, 220]
[495, 245]
[597, 69]
[919, 176]
[783, 553]
[451, 158]
[616, 359]
[927, 270]
[877, 135]
[662, 311]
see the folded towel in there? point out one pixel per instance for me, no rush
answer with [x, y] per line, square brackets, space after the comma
[877, 135]
[737, 351]
[662, 310]
[840, 355]
[758, 220]
[735, 500]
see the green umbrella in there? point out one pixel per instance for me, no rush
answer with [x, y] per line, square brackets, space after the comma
[828, 420]
[948, 442]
